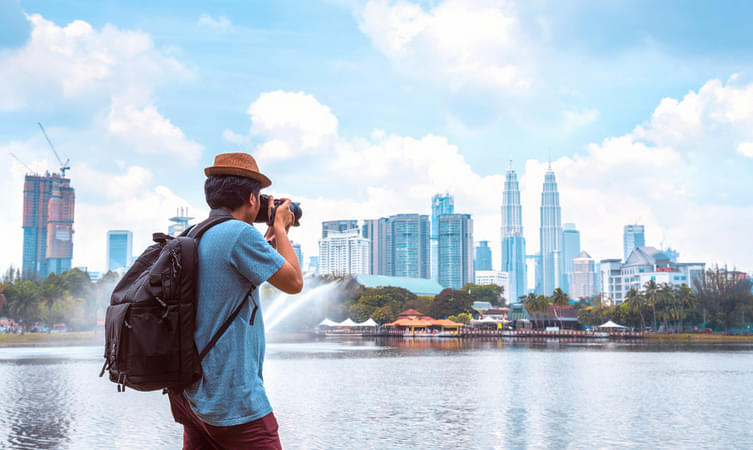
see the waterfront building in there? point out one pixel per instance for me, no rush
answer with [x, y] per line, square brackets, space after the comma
[533, 266]
[119, 249]
[583, 276]
[485, 277]
[343, 253]
[550, 233]
[298, 252]
[375, 230]
[632, 237]
[570, 251]
[440, 204]
[648, 263]
[513, 244]
[49, 203]
[483, 260]
[455, 250]
[338, 226]
[180, 222]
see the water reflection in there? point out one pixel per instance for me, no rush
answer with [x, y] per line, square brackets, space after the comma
[414, 393]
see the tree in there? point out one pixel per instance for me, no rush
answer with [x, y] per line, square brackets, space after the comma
[23, 301]
[725, 298]
[461, 318]
[560, 298]
[635, 302]
[451, 302]
[486, 293]
[652, 297]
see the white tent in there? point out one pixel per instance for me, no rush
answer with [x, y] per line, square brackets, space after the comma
[347, 323]
[610, 324]
[368, 323]
[328, 323]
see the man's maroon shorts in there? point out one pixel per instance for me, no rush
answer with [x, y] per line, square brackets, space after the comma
[260, 433]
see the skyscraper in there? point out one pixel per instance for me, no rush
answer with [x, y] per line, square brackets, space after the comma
[407, 240]
[375, 230]
[483, 259]
[513, 244]
[632, 238]
[342, 253]
[550, 233]
[298, 253]
[570, 251]
[338, 226]
[119, 249]
[583, 277]
[455, 250]
[440, 204]
[49, 202]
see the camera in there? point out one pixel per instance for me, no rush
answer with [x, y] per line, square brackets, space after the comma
[261, 217]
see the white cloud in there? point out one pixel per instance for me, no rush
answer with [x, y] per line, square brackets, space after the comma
[221, 23]
[745, 149]
[78, 62]
[146, 131]
[294, 123]
[235, 138]
[457, 43]
[573, 120]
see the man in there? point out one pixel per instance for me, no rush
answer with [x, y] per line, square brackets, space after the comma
[228, 407]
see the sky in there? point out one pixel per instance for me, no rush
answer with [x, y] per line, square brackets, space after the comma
[364, 109]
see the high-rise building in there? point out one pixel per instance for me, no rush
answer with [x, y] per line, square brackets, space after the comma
[455, 250]
[180, 222]
[513, 244]
[407, 243]
[440, 204]
[550, 233]
[483, 259]
[583, 276]
[49, 202]
[632, 238]
[119, 249]
[342, 253]
[570, 251]
[338, 226]
[375, 230]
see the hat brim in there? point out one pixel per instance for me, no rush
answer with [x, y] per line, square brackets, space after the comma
[225, 170]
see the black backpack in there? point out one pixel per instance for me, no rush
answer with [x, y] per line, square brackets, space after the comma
[149, 325]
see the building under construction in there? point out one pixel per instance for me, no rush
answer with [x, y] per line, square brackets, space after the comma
[49, 201]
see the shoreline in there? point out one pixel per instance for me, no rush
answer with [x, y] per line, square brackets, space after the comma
[71, 338]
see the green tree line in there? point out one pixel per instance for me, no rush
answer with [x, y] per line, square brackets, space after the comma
[721, 300]
[70, 297]
[383, 304]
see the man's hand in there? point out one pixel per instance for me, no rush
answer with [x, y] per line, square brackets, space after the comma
[284, 217]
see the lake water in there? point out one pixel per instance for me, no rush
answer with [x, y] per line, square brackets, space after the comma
[414, 394]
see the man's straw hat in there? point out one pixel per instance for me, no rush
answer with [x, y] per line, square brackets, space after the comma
[239, 164]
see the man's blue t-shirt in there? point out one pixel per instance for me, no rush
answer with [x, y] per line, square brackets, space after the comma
[232, 255]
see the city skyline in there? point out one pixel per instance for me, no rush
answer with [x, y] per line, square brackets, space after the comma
[378, 105]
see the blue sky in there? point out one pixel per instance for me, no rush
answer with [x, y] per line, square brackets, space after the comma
[365, 108]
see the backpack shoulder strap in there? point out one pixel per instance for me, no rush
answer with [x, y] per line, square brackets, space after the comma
[198, 230]
[227, 323]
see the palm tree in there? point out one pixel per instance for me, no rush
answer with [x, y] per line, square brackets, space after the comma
[560, 298]
[652, 297]
[668, 308]
[635, 302]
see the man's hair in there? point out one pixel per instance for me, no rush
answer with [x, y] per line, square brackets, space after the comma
[229, 191]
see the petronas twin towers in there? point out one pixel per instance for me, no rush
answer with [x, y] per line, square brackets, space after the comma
[548, 261]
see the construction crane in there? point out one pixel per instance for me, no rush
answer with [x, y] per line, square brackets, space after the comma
[21, 161]
[63, 165]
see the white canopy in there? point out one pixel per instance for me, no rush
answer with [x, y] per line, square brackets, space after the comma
[328, 323]
[610, 324]
[368, 323]
[347, 323]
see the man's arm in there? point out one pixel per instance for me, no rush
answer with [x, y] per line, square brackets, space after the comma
[288, 278]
